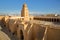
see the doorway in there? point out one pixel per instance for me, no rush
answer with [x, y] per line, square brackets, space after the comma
[21, 35]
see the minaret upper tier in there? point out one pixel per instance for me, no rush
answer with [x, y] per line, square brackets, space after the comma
[24, 5]
[24, 11]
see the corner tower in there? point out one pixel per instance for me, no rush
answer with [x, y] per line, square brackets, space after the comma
[25, 12]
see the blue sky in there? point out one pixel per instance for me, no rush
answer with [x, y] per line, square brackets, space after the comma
[34, 6]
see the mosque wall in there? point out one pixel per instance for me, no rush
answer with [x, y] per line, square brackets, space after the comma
[53, 34]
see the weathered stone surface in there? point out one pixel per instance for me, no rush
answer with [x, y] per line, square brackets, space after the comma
[53, 34]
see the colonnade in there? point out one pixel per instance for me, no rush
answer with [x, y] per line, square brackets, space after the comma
[47, 19]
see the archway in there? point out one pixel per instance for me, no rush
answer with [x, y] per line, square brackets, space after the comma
[21, 35]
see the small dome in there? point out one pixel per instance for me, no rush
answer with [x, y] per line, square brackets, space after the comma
[24, 5]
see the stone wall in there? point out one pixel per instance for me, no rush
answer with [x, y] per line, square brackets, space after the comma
[53, 34]
[36, 32]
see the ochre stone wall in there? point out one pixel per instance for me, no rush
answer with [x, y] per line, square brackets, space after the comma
[36, 32]
[53, 34]
[12, 25]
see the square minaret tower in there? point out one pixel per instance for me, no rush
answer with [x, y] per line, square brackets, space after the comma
[25, 12]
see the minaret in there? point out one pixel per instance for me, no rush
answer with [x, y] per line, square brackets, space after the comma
[25, 12]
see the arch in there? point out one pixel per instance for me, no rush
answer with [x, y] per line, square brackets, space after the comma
[21, 35]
